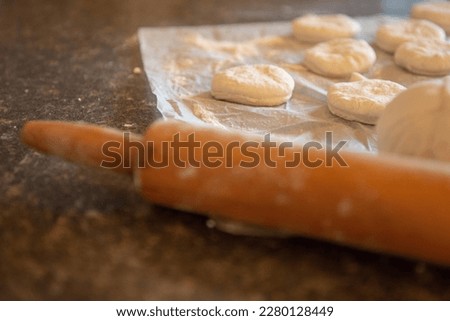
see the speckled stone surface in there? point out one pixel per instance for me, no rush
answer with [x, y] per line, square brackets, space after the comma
[69, 232]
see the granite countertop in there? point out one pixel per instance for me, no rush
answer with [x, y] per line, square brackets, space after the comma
[70, 232]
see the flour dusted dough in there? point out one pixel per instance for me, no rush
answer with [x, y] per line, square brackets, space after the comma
[340, 57]
[417, 121]
[257, 85]
[437, 12]
[363, 100]
[318, 28]
[424, 57]
[390, 35]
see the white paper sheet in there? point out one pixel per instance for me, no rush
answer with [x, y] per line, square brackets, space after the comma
[180, 62]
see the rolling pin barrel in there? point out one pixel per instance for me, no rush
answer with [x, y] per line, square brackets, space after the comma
[383, 204]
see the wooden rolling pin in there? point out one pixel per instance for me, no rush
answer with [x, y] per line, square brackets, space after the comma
[379, 203]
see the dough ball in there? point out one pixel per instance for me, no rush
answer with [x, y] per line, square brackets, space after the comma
[437, 12]
[318, 28]
[340, 57]
[424, 57]
[256, 85]
[417, 122]
[363, 100]
[391, 35]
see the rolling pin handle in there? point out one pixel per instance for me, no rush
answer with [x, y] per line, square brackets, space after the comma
[84, 144]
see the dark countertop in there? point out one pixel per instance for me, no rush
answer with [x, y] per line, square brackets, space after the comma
[69, 232]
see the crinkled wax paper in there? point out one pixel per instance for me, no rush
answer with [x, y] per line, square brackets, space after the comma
[181, 61]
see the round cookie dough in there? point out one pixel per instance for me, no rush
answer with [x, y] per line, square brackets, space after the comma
[339, 58]
[363, 100]
[417, 122]
[256, 85]
[318, 28]
[424, 57]
[391, 35]
[437, 12]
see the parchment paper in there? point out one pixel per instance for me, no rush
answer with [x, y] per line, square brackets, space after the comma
[180, 62]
